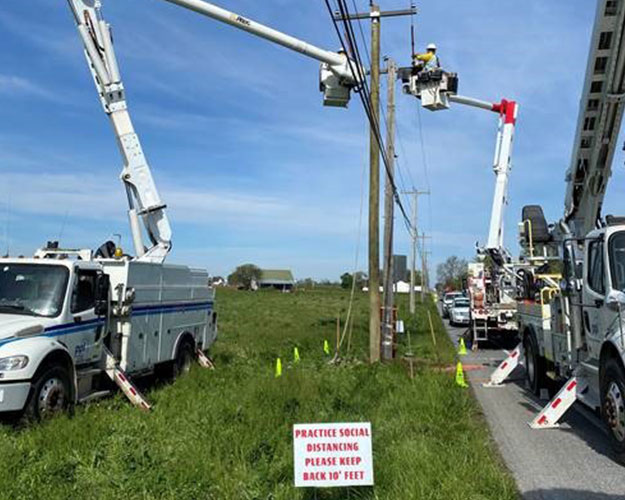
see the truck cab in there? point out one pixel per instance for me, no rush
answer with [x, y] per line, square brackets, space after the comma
[603, 325]
[52, 323]
[576, 327]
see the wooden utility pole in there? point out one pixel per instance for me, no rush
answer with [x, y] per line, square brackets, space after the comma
[389, 205]
[374, 174]
[427, 271]
[415, 236]
[374, 192]
[424, 267]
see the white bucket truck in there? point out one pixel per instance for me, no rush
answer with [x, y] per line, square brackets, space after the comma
[571, 300]
[70, 319]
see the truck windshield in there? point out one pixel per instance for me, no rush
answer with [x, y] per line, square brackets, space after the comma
[617, 260]
[32, 289]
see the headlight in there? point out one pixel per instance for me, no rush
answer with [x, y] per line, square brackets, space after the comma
[13, 363]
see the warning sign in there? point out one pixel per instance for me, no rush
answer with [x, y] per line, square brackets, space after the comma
[333, 455]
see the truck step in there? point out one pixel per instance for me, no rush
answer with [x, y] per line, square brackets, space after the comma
[550, 415]
[95, 395]
[87, 372]
[204, 360]
[117, 375]
[506, 367]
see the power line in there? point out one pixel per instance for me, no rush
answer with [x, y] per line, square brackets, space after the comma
[358, 74]
[362, 36]
[425, 165]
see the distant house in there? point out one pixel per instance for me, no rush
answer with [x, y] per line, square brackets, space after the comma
[404, 287]
[280, 279]
[217, 281]
[399, 287]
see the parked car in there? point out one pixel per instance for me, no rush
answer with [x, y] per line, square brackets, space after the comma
[459, 313]
[448, 300]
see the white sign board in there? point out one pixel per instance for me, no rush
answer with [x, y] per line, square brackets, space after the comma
[329, 455]
[399, 327]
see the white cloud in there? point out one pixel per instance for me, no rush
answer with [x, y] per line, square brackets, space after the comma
[100, 198]
[13, 85]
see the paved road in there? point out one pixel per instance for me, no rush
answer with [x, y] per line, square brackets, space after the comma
[570, 463]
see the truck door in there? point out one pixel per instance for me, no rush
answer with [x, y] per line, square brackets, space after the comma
[594, 296]
[84, 337]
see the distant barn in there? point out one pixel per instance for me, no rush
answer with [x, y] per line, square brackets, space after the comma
[277, 278]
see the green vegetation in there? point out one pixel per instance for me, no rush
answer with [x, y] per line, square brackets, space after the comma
[452, 273]
[244, 276]
[227, 434]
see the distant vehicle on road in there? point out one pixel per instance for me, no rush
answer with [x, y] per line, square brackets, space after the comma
[448, 300]
[460, 311]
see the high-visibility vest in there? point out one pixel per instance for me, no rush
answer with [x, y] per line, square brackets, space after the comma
[433, 63]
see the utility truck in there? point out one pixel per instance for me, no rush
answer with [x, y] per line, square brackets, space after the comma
[572, 299]
[72, 320]
[492, 279]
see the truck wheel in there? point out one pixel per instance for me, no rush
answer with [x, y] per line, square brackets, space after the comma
[50, 394]
[613, 404]
[534, 365]
[184, 358]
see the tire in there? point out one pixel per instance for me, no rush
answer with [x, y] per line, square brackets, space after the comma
[534, 365]
[613, 405]
[50, 394]
[185, 356]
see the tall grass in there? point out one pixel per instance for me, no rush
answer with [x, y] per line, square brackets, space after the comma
[226, 434]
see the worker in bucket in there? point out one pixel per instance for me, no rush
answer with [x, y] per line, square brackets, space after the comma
[428, 61]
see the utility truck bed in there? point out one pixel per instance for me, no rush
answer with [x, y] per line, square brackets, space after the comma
[166, 300]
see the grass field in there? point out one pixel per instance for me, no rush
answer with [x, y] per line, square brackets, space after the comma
[226, 434]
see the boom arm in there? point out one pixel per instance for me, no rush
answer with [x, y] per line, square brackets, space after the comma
[145, 205]
[436, 90]
[502, 165]
[599, 121]
[338, 74]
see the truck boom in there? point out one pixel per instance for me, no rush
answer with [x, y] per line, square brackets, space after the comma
[339, 74]
[492, 291]
[145, 205]
[502, 164]
[599, 122]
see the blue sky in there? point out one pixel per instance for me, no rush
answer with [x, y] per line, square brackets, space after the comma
[253, 168]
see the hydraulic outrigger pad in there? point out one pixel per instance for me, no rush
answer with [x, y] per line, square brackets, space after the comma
[550, 415]
[204, 360]
[506, 367]
[117, 375]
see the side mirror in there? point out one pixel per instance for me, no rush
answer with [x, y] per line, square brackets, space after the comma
[102, 288]
[615, 300]
[579, 270]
